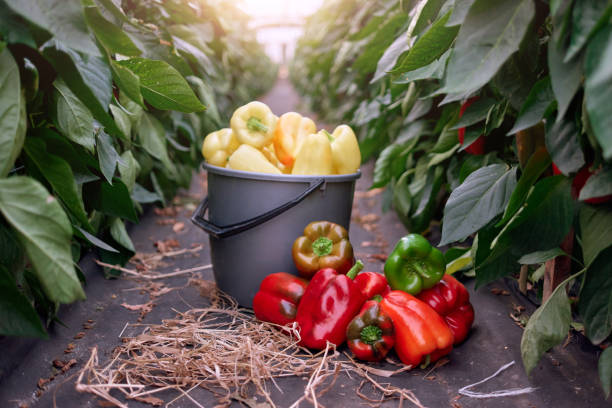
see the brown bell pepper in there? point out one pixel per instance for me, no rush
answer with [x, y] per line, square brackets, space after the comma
[324, 245]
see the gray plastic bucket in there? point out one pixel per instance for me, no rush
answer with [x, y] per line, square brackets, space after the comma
[253, 219]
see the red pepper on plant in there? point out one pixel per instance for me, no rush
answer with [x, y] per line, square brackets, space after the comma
[370, 334]
[329, 304]
[421, 335]
[452, 301]
[579, 181]
[478, 146]
[278, 298]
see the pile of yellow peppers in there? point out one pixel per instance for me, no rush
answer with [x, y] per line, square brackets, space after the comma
[259, 141]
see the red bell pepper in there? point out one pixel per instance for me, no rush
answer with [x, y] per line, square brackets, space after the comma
[478, 147]
[579, 181]
[372, 283]
[420, 333]
[278, 297]
[452, 301]
[330, 302]
[370, 334]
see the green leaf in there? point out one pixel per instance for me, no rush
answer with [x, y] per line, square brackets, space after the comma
[107, 156]
[596, 231]
[128, 169]
[565, 77]
[541, 256]
[480, 198]
[598, 88]
[163, 86]
[59, 174]
[598, 185]
[473, 163]
[45, 232]
[88, 78]
[94, 240]
[491, 263]
[73, 118]
[491, 33]
[15, 30]
[605, 370]
[435, 70]
[446, 141]
[207, 96]
[563, 145]
[536, 165]
[152, 137]
[389, 58]
[537, 105]
[63, 19]
[547, 327]
[595, 303]
[460, 11]
[429, 47]
[119, 234]
[142, 195]
[122, 120]
[587, 17]
[382, 168]
[110, 199]
[17, 316]
[12, 255]
[128, 82]
[12, 112]
[110, 35]
[476, 112]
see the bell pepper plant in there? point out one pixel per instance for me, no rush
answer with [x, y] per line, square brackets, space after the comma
[579, 181]
[254, 124]
[218, 146]
[278, 297]
[452, 301]
[329, 304]
[370, 334]
[324, 244]
[414, 265]
[291, 131]
[421, 335]
[478, 146]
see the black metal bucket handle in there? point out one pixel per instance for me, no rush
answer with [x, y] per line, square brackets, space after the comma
[224, 231]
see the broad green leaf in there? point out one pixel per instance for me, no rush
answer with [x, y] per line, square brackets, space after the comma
[430, 191]
[541, 256]
[595, 303]
[491, 262]
[142, 195]
[476, 112]
[194, 55]
[460, 11]
[128, 169]
[536, 165]
[538, 104]
[382, 168]
[45, 232]
[547, 327]
[59, 174]
[73, 118]
[598, 88]
[15, 31]
[438, 158]
[598, 185]
[435, 70]
[152, 137]
[17, 316]
[88, 78]
[12, 255]
[107, 156]
[110, 35]
[402, 199]
[563, 145]
[62, 19]
[163, 86]
[128, 82]
[94, 240]
[12, 112]
[114, 7]
[420, 108]
[429, 47]
[491, 33]
[473, 163]
[605, 370]
[587, 17]
[133, 110]
[565, 77]
[480, 198]
[207, 96]
[110, 199]
[119, 234]
[122, 120]
[462, 262]
[423, 14]
[596, 231]
[389, 58]
[446, 141]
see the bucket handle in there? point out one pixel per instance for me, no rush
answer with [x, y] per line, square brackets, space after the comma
[219, 231]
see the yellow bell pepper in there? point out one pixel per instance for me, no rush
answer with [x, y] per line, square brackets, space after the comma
[270, 154]
[314, 156]
[218, 146]
[253, 124]
[248, 158]
[345, 150]
[291, 130]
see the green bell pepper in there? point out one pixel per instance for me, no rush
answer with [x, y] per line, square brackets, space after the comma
[414, 265]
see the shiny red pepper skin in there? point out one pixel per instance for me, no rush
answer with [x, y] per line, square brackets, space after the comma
[452, 301]
[278, 298]
[370, 334]
[372, 283]
[478, 147]
[579, 181]
[329, 304]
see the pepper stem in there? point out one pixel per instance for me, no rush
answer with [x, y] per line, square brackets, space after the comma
[322, 246]
[377, 298]
[256, 125]
[329, 136]
[355, 269]
[371, 334]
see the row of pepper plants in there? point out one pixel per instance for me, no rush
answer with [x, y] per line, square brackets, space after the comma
[103, 108]
[493, 117]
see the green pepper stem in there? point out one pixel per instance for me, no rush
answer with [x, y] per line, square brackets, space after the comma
[329, 136]
[371, 334]
[322, 246]
[256, 125]
[355, 269]
[377, 298]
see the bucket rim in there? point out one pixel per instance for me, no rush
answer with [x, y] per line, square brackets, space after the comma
[334, 178]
